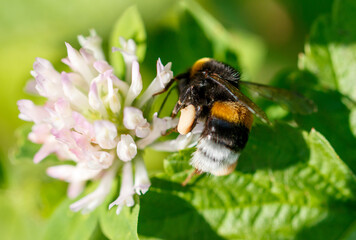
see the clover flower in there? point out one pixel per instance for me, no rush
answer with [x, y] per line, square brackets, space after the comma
[94, 119]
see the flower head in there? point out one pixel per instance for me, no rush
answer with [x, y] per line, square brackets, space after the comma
[94, 119]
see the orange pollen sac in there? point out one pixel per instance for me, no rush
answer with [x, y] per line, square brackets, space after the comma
[186, 119]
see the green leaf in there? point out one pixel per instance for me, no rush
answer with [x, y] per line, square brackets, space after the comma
[245, 46]
[65, 224]
[330, 56]
[128, 26]
[276, 193]
[177, 162]
[24, 149]
[122, 226]
[330, 53]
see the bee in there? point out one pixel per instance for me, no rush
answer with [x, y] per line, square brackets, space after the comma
[210, 92]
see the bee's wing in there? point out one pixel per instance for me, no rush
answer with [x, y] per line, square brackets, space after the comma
[292, 100]
[241, 98]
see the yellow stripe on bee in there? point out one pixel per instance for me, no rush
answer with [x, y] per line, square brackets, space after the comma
[198, 65]
[233, 112]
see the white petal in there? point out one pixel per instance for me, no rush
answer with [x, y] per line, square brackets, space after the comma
[182, 141]
[40, 133]
[31, 87]
[159, 127]
[75, 188]
[92, 43]
[83, 126]
[48, 80]
[61, 114]
[126, 148]
[76, 97]
[78, 64]
[71, 173]
[142, 181]
[49, 89]
[94, 199]
[46, 149]
[30, 112]
[126, 189]
[133, 117]
[136, 84]
[164, 75]
[101, 160]
[105, 134]
[102, 66]
[143, 131]
[113, 97]
[95, 101]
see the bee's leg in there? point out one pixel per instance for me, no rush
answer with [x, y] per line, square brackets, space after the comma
[176, 109]
[172, 130]
[165, 89]
[187, 180]
[164, 101]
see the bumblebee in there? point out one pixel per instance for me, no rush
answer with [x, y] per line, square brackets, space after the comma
[210, 92]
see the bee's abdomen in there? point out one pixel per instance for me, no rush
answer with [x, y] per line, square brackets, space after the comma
[225, 135]
[228, 124]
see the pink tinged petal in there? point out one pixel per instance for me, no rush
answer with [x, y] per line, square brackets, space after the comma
[76, 97]
[105, 134]
[65, 136]
[31, 87]
[89, 59]
[50, 145]
[45, 68]
[126, 148]
[83, 126]
[77, 80]
[30, 112]
[46, 149]
[75, 147]
[94, 199]
[159, 127]
[136, 84]
[164, 75]
[95, 100]
[47, 88]
[102, 66]
[40, 133]
[61, 114]
[142, 181]
[48, 80]
[70, 173]
[92, 43]
[75, 188]
[107, 72]
[77, 63]
[126, 190]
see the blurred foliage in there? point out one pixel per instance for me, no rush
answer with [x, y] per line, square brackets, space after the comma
[290, 182]
[292, 192]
